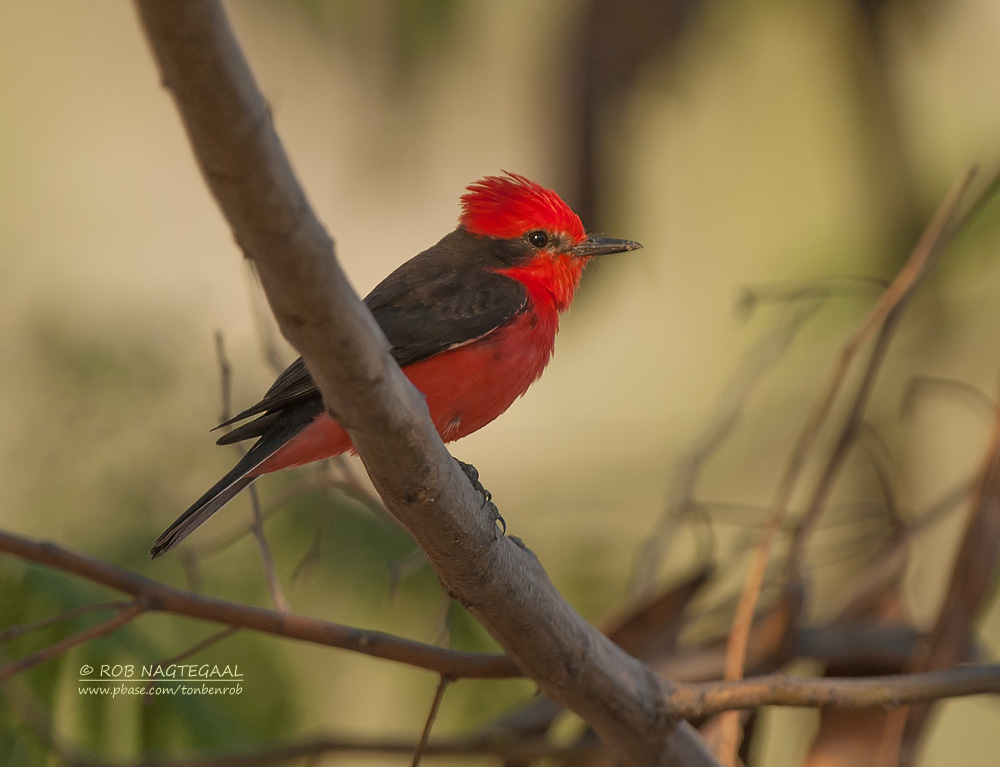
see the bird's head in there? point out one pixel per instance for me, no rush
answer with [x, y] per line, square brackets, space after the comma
[545, 243]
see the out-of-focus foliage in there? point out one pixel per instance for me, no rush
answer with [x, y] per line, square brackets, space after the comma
[407, 31]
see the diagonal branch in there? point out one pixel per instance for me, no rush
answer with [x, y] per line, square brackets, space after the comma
[26, 628]
[972, 584]
[431, 716]
[952, 214]
[501, 583]
[111, 625]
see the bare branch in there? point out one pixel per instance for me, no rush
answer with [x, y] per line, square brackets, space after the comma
[26, 628]
[196, 648]
[256, 515]
[783, 292]
[696, 700]
[157, 597]
[972, 582]
[104, 628]
[193, 650]
[211, 544]
[266, 560]
[225, 377]
[883, 318]
[923, 385]
[727, 414]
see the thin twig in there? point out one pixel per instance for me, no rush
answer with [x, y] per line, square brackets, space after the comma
[208, 641]
[353, 487]
[222, 541]
[945, 225]
[264, 322]
[785, 292]
[972, 395]
[266, 559]
[727, 414]
[706, 698]
[23, 702]
[158, 597]
[313, 554]
[55, 650]
[257, 518]
[842, 448]
[938, 233]
[885, 471]
[403, 567]
[26, 628]
[972, 582]
[431, 716]
[225, 377]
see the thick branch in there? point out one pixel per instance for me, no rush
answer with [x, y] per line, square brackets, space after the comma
[500, 582]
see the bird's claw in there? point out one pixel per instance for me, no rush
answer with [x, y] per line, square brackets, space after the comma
[472, 473]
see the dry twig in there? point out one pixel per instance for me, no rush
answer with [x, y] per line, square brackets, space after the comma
[104, 628]
[951, 215]
[431, 716]
[157, 597]
[972, 583]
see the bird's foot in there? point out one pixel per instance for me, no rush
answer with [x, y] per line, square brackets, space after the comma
[473, 474]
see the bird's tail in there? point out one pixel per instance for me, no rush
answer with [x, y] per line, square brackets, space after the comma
[238, 478]
[221, 493]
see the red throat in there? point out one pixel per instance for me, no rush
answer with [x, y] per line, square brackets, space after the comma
[551, 279]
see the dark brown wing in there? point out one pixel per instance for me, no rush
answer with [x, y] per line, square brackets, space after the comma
[292, 387]
[435, 301]
[424, 319]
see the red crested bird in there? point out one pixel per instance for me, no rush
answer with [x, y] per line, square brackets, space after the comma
[471, 321]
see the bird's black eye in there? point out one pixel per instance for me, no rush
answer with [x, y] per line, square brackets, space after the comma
[538, 238]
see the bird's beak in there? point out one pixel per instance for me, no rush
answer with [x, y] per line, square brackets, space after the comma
[599, 246]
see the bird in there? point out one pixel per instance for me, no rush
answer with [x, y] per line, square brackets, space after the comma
[471, 321]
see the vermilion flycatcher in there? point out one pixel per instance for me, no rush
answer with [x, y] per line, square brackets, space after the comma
[471, 321]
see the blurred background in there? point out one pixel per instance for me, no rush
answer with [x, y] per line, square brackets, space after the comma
[747, 145]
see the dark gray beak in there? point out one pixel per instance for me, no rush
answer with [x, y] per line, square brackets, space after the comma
[599, 246]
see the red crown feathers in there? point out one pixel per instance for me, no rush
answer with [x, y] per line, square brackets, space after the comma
[511, 205]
